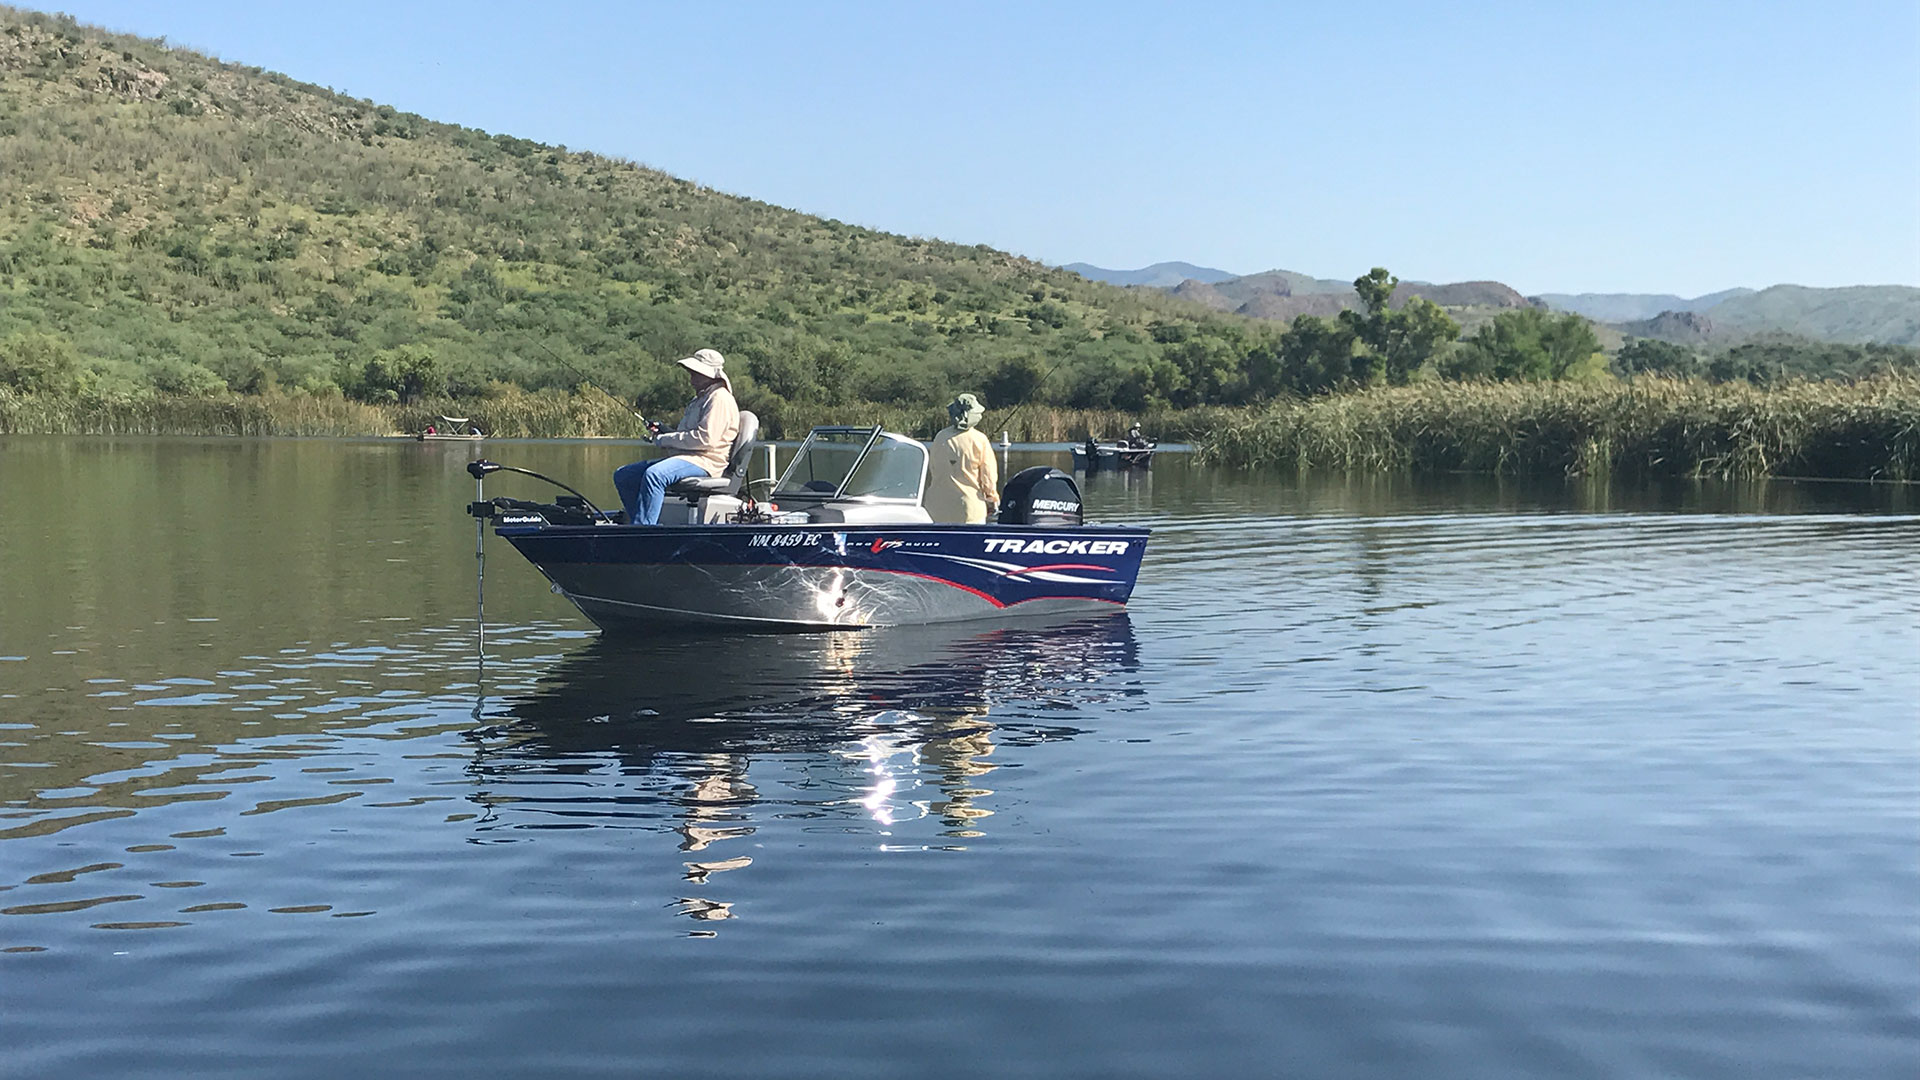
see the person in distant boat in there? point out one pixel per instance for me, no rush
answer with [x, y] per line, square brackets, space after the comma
[963, 480]
[1135, 440]
[431, 430]
[700, 444]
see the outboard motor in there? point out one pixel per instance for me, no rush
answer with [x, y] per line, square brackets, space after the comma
[1042, 495]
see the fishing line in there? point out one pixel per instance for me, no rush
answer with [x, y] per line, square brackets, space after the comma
[584, 381]
[1007, 424]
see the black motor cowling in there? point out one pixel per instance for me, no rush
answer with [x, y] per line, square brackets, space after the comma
[1042, 495]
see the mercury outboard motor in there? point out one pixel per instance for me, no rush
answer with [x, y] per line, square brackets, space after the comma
[1042, 495]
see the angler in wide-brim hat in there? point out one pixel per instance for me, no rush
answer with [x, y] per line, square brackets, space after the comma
[700, 443]
[963, 479]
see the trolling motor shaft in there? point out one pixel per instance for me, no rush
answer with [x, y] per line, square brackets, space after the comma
[485, 509]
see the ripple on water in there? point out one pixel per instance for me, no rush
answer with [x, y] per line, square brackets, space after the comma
[1426, 793]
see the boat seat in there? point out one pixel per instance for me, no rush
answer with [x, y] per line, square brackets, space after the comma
[729, 481]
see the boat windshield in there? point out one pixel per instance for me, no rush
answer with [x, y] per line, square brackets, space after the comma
[843, 463]
[893, 469]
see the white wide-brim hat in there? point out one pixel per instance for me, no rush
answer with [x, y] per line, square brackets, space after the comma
[709, 363]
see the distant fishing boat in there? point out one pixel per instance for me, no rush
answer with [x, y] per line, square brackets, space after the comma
[458, 429]
[1091, 456]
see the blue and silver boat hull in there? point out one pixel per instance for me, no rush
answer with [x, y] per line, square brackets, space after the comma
[809, 577]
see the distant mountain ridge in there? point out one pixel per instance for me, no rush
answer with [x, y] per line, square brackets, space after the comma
[1852, 315]
[1629, 307]
[1162, 275]
[1284, 294]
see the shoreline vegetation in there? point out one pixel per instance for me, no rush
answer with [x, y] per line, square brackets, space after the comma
[1644, 426]
[513, 413]
[1650, 426]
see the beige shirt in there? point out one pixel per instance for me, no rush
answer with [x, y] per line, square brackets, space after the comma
[706, 430]
[962, 476]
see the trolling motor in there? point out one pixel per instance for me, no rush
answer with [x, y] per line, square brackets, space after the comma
[570, 509]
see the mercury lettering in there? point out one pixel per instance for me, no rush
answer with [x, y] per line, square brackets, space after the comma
[1058, 547]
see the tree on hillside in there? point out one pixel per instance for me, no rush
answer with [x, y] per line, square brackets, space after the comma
[1013, 381]
[1529, 344]
[39, 364]
[405, 375]
[1318, 355]
[1397, 343]
[1373, 345]
[1651, 356]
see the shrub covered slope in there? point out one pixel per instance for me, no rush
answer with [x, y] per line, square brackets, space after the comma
[168, 220]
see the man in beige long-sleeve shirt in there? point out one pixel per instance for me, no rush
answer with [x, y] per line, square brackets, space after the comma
[701, 442]
[963, 480]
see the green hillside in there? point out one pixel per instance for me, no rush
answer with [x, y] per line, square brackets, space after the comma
[175, 222]
[1856, 315]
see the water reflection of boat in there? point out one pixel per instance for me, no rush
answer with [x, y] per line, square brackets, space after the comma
[781, 693]
[883, 730]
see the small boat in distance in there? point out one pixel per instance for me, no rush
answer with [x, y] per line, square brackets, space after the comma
[842, 542]
[1091, 456]
[457, 429]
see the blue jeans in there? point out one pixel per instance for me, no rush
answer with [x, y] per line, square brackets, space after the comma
[643, 485]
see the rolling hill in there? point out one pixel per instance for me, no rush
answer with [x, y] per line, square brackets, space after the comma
[173, 221]
[1857, 315]
[1629, 307]
[1854, 315]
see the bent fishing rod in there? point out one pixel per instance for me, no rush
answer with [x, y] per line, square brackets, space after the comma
[584, 381]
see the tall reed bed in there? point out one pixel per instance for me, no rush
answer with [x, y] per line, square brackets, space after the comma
[166, 414]
[1646, 426]
[509, 412]
[1037, 423]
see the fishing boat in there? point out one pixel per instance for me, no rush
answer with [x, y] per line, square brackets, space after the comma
[1091, 456]
[841, 542]
[458, 429]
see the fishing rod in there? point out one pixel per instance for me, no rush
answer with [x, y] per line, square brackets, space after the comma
[1007, 423]
[584, 381]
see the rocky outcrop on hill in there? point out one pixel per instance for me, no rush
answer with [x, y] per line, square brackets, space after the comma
[1199, 292]
[1679, 327]
[1463, 294]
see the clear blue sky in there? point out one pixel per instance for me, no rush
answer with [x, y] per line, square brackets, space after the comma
[1559, 147]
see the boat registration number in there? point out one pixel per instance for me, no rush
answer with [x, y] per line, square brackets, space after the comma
[784, 540]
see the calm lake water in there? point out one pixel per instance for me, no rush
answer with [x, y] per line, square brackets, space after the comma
[1376, 778]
